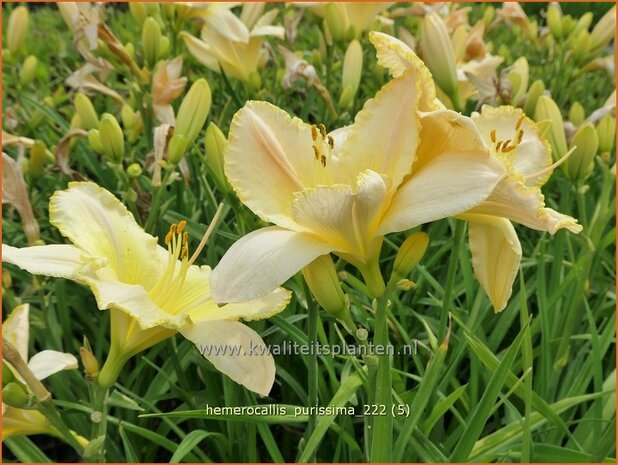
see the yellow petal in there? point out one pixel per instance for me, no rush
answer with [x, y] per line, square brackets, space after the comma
[361, 14]
[58, 261]
[48, 362]
[514, 200]
[530, 156]
[496, 254]
[16, 329]
[227, 24]
[397, 57]
[256, 309]
[262, 260]
[202, 51]
[252, 366]
[344, 218]
[21, 422]
[97, 222]
[384, 136]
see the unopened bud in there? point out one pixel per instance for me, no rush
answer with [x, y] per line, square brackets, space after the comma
[134, 170]
[91, 365]
[554, 20]
[604, 31]
[177, 148]
[606, 131]
[584, 22]
[215, 143]
[547, 110]
[94, 140]
[577, 114]
[346, 100]
[17, 29]
[255, 81]
[165, 46]
[151, 41]
[112, 138]
[37, 159]
[7, 279]
[405, 285]
[7, 374]
[362, 334]
[86, 111]
[352, 67]
[138, 11]
[14, 395]
[581, 45]
[580, 163]
[335, 22]
[534, 92]
[193, 110]
[316, 58]
[439, 55]
[28, 70]
[410, 254]
[488, 16]
[518, 77]
[321, 277]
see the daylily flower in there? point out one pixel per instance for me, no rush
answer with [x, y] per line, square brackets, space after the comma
[22, 422]
[342, 192]
[167, 85]
[515, 142]
[237, 55]
[151, 291]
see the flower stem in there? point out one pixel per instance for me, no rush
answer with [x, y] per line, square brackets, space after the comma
[156, 202]
[312, 368]
[95, 452]
[48, 409]
[450, 277]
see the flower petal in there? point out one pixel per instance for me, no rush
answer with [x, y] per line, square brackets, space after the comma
[218, 341]
[447, 185]
[256, 309]
[532, 155]
[16, 329]
[514, 200]
[496, 254]
[202, 51]
[262, 260]
[227, 24]
[48, 362]
[264, 140]
[397, 57]
[97, 222]
[341, 217]
[384, 136]
[56, 260]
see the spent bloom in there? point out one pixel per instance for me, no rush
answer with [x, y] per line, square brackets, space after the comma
[151, 291]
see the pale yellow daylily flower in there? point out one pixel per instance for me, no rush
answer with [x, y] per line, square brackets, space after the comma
[152, 292]
[342, 192]
[515, 142]
[237, 56]
[23, 422]
[358, 16]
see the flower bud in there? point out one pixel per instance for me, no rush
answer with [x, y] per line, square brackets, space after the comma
[255, 81]
[94, 140]
[14, 395]
[352, 66]
[138, 11]
[534, 92]
[581, 45]
[37, 159]
[151, 41]
[17, 29]
[134, 170]
[606, 132]
[112, 138]
[335, 22]
[439, 55]
[577, 114]
[132, 122]
[28, 70]
[177, 148]
[518, 77]
[215, 143]
[547, 110]
[410, 253]
[488, 16]
[91, 365]
[405, 285]
[193, 110]
[583, 23]
[554, 20]
[86, 111]
[321, 277]
[7, 374]
[604, 31]
[346, 100]
[581, 162]
[165, 46]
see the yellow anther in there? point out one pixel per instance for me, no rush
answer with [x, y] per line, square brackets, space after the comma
[316, 151]
[331, 142]
[492, 135]
[170, 234]
[323, 130]
[508, 148]
[184, 253]
[499, 146]
[323, 161]
[519, 121]
[181, 226]
[314, 132]
[520, 135]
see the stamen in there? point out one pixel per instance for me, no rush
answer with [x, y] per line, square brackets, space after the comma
[316, 152]
[209, 231]
[181, 226]
[314, 132]
[331, 142]
[508, 148]
[553, 166]
[170, 234]
[519, 121]
[323, 161]
[520, 135]
[492, 135]
[185, 246]
[323, 130]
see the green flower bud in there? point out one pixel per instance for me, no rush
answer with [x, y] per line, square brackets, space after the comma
[583, 23]
[7, 374]
[347, 98]
[581, 45]
[546, 109]
[409, 255]
[405, 285]
[606, 131]
[165, 46]
[112, 138]
[518, 78]
[534, 92]
[193, 110]
[128, 116]
[568, 25]
[134, 170]
[334, 22]
[554, 20]
[28, 70]
[255, 81]
[151, 41]
[581, 162]
[604, 31]
[177, 148]
[577, 114]
[91, 365]
[316, 58]
[352, 67]
[489, 15]
[86, 111]
[321, 277]
[14, 395]
[37, 159]
[215, 143]
[138, 11]
[94, 140]
[17, 29]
